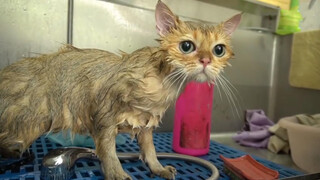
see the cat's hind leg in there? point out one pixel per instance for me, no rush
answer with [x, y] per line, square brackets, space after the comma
[14, 147]
[6, 152]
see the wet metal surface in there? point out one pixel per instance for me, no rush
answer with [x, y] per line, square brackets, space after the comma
[282, 159]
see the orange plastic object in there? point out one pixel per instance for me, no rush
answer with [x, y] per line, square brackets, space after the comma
[248, 168]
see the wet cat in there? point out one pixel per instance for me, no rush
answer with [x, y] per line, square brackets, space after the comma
[96, 92]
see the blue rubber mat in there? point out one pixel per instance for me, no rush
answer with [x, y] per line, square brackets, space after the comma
[86, 169]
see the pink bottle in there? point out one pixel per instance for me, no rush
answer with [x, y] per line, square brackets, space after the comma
[192, 120]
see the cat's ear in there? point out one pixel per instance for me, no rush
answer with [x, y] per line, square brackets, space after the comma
[231, 25]
[165, 19]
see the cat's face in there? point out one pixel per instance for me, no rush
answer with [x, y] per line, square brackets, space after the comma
[199, 51]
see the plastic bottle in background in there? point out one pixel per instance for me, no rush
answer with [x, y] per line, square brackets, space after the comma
[192, 120]
[289, 22]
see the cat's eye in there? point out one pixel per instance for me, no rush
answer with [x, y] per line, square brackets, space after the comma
[219, 50]
[187, 47]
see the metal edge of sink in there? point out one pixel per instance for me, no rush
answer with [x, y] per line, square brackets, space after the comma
[282, 159]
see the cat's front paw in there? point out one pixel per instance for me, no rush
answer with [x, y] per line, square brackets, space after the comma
[115, 174]
[168, 172]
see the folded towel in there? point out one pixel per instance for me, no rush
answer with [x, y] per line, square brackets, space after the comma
[279, 131]
[255, 132]
[278, 142]
[310, 120]
[66, 139]
[305, 60]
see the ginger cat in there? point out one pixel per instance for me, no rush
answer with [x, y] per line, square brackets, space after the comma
[99, 93]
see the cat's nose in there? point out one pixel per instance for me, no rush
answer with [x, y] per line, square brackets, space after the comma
[205, 61]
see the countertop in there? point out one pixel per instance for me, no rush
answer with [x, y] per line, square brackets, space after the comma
[282, 159]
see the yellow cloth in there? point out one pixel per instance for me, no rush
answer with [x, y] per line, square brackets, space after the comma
[279, 141]
[305, 60]
[277, 145]
[310, 120]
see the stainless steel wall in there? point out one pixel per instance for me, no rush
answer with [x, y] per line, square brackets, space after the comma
[29, 27]
[291, 100]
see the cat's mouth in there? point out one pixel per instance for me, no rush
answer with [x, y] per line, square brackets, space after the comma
[206, 73]
[203, 74]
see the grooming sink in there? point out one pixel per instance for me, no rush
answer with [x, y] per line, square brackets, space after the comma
[90, 169]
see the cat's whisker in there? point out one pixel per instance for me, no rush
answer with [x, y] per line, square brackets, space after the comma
[218, 86]
[230, 94]
[216, 69]
[227, 91]
[172, 75]
[175, 75]
[212, 73]
[182, 82]
[233, 90]
[223, 89]
[179, 76]
[228, 82]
